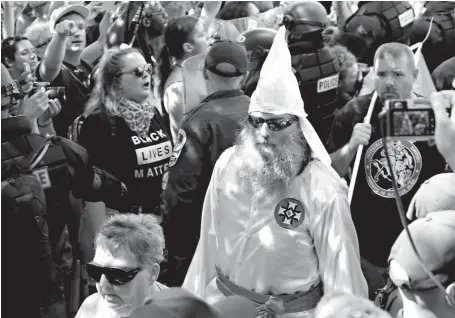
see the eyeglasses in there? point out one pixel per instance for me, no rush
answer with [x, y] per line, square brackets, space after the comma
[139, 71]
[275, 124]
[115, 276]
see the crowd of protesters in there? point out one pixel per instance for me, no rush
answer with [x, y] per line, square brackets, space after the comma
[228, 159]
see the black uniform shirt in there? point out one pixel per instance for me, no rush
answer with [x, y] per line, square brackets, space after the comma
[373, 204]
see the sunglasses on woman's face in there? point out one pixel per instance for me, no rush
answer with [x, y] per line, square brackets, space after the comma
[275, 124]
[115, 276]
[139, 71]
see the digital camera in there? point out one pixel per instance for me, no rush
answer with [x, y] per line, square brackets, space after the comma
[410, 119]
[52, 92]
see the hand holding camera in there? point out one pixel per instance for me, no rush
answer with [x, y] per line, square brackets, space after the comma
[36, 105]
[445, 124]
[43, 103]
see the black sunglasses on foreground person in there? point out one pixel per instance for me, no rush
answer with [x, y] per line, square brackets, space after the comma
[129, 250]
[60, 167]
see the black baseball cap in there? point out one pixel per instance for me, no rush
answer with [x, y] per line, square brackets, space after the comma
[230, 53]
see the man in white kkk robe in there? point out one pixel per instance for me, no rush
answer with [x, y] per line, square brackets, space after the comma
[276, 224]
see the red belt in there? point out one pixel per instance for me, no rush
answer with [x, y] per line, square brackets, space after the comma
[268, 305]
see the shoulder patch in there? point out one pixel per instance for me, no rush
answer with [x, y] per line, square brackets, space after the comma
[181, 140]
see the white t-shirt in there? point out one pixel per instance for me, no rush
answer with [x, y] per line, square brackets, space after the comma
[95, 307]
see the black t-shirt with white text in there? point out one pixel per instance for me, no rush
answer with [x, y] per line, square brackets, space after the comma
[373, 206]
[138, 162]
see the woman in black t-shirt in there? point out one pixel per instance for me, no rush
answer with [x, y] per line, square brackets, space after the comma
[124, 133]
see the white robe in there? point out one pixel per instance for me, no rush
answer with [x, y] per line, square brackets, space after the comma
[240, 234]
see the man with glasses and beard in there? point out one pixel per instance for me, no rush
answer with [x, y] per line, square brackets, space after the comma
[276, 225]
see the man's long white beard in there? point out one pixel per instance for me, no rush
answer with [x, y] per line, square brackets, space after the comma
[265, 168]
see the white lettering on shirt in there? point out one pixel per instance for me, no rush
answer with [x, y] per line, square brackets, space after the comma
[139, 173]
[151, 172]
[43, 177]
[154, 136]
[154, 153]
[135, 140]
[327, 83]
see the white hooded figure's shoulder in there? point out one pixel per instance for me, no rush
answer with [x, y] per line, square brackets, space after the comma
[323, 180]
[224, 160]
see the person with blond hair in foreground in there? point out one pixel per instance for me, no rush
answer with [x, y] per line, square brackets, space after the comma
[128, 253]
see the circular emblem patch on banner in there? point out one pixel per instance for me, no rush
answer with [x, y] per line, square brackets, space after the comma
[289, 213]
[406, 163]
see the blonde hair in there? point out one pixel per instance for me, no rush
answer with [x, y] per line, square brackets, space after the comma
[140, 235]
[106, 93]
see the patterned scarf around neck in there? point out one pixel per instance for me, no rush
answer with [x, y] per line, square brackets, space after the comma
[137, 116]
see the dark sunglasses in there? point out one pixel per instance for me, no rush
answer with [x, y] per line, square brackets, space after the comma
[275, 124]
[139, 71]
[115, 276]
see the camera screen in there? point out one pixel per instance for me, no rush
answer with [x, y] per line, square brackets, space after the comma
[412, 123]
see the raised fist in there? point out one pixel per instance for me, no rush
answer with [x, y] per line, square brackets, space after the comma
[66, 28]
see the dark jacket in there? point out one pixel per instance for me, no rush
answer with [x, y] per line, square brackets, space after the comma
[206, 133]
[62, 168]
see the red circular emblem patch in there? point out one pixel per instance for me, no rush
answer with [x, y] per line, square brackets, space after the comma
[289, 213]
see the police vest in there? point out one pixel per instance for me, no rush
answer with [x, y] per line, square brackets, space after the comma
[396, 17]
[317, 75]
[52, 171]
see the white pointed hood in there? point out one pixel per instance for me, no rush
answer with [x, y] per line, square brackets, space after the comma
[278, 93]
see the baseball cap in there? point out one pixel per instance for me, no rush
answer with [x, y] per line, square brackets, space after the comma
[227, 52]
[60, 12]
[179, 303]
[434, 238]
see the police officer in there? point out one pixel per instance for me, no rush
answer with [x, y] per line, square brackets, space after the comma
[257, 43]
[434, 239]
[63, 167]
[314, 66]
[440, 44]
[379, 22]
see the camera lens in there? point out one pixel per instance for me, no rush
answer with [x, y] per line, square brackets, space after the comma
[57, 92]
